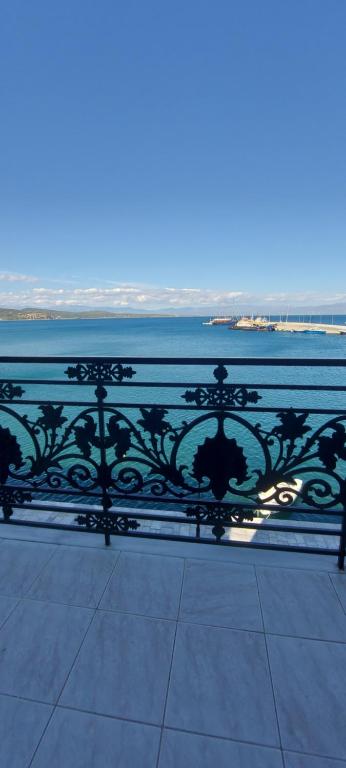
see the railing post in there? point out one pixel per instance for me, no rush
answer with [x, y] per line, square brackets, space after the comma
[101, 394]
[342, 546]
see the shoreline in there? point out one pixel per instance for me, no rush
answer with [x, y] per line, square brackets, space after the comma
[84, 317]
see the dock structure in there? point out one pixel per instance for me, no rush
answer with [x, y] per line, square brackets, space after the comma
[262, 324]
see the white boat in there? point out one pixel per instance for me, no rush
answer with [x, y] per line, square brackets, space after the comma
[218, 321]
[289, 494]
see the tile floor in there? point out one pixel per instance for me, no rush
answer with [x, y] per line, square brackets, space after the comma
[168, 657]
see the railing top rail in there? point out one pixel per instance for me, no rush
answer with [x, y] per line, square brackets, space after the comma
[241, 361]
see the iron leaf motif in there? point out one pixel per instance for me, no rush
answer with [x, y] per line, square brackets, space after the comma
[86, 436]
[292, 425]
[220, 459]
[333, 448]
[119, 437]
[10, 453]
[52, 418]
[153, 421]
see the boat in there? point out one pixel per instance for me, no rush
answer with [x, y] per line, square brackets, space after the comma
[310, 330]
[246, 323]
[219, 321]
[288, 491]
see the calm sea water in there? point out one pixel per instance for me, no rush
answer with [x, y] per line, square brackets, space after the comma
[184, 337]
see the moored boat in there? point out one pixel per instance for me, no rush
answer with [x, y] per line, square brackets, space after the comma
[219, 321]
[311, 330]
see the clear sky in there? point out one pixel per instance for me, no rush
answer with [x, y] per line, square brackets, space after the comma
[152, 144]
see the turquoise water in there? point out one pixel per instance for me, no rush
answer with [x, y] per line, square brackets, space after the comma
[172, 337]
[162, 337]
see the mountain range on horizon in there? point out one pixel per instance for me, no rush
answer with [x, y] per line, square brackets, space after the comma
[80, 311]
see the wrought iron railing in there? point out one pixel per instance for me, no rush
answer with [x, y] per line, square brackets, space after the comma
[192, 449]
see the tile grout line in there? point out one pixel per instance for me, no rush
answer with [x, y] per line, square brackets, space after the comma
[34, 599]
[269, 668]
[134, 721]
[171, 666]
[76, 656]
[42, 735]
[63, 687]
[18, 599]
[118, 718]
[336, 592]
[169, 619]
[93, 608]
[180, 556]
[40, 571]
[337, 760]
[114, 570]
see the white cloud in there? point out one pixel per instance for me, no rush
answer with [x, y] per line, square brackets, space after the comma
[14, 277]
[128, 295]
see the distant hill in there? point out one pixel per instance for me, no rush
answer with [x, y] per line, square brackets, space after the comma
[32, 313]
[80, 313]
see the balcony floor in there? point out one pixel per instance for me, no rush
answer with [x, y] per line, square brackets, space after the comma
[165, 655]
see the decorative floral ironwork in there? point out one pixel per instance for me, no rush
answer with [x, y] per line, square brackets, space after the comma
[153, 421]
[100, 371]
[148, 454]
[10, 497]
[292, 425]
[107, 522]
[9, 391]
[118, 437]
[218, 515]
[220, 459]
[215, 462]
[52, 417]
[221, 395]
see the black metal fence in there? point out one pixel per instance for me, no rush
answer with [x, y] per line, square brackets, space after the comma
[246, 452]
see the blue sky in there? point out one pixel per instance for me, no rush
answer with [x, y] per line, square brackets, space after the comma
[169, 144]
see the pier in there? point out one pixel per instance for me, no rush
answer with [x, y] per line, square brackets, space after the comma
[262, 324]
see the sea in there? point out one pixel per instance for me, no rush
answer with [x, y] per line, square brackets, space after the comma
[183, 337]
[166, 337]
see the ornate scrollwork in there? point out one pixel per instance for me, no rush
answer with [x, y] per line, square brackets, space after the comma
[221, 395]
[9, 391]
[149, 453]
[101, 371]
[214, 459]
[107, 522]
